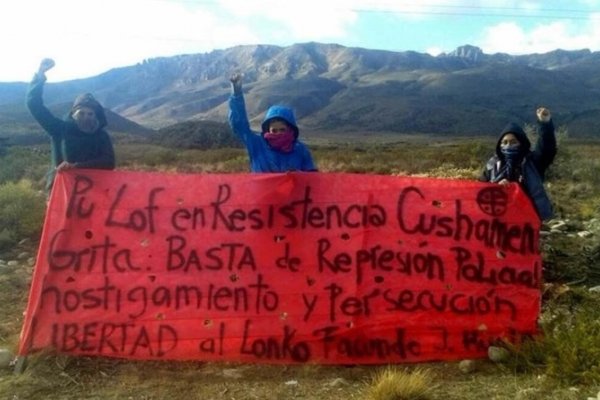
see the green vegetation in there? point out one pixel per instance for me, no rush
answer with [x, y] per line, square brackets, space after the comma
[568, 351]
[562, 363]
[196, 135]
[571, 346]
[21, 213]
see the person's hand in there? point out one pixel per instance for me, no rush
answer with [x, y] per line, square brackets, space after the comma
[504, 182]
[65, 165]
[45, 65]
[236, 78]
[236, 82]
[543, 114]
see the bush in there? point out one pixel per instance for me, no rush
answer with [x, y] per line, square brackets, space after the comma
[201, 135]
[25, 163]
[21, 212]
[572, 345]
[393, 384]
[569, 350]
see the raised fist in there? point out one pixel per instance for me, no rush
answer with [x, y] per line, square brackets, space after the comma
[236, 82]
[45, 65]
[543, 114]
[236, 78]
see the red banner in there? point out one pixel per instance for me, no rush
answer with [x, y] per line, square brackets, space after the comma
[282, 268]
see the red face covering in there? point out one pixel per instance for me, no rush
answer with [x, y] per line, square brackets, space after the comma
[281, 141]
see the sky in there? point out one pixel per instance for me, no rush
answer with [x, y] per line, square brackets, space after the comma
[88, 38]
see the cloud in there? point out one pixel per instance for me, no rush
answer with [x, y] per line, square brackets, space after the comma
[509, 37]
[296, 20]
[87, 39]
[434, 51]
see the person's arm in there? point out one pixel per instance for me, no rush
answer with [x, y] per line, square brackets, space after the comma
[35, 103]
[545, 147]
[485, 175]
[307, 162]
[238, 118]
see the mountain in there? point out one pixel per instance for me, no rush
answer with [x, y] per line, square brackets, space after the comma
[346, 89]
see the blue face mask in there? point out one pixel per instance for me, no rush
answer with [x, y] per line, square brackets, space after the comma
[510, 151]
[512, 156]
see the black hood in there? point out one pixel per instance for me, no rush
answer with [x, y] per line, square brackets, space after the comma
[87, 100]
[519, 133]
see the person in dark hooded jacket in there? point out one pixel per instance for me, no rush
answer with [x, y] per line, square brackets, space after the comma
[78, 141]
[276, 148]
[515, 161]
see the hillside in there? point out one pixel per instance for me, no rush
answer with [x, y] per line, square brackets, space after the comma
[337, 88]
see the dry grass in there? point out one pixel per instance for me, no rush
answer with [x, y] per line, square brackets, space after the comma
[535, 373]
[394, 384]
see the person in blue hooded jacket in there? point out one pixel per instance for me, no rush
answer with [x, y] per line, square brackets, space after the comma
[276, 148]
[515, 161]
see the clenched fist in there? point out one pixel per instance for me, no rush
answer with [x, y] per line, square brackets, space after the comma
[236, 82]
[543, 114]
[45, 65]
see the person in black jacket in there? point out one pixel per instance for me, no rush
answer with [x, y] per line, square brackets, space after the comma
[78, 141]
[515, 161]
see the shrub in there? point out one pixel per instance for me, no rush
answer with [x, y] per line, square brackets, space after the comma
[21, 212]
[24, 163]
[569, 349]
[572, 345]
[393, 384]
[197, 135]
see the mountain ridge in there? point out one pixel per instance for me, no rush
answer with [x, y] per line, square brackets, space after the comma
[333, 87]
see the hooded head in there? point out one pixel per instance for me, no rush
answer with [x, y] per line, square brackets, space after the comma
[519, 133]
[282, 113]
[88, 101]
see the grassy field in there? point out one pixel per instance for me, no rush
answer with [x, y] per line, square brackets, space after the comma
[565, 364]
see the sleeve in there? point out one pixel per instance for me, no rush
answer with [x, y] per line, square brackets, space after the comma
[105, 158]
[38, 110]
[545, 148]
[308, 163]
[238, 119]
[486, 174]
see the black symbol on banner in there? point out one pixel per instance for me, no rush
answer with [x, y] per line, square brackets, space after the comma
[492, 201]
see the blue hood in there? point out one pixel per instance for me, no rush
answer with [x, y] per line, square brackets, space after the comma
[280, 112]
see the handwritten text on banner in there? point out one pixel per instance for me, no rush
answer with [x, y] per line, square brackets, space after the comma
[282, 268]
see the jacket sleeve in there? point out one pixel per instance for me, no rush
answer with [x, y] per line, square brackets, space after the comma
[308, 163]
[106, 155]
[238, 119]
[51, 124]
[485, 175]
[545, 148]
